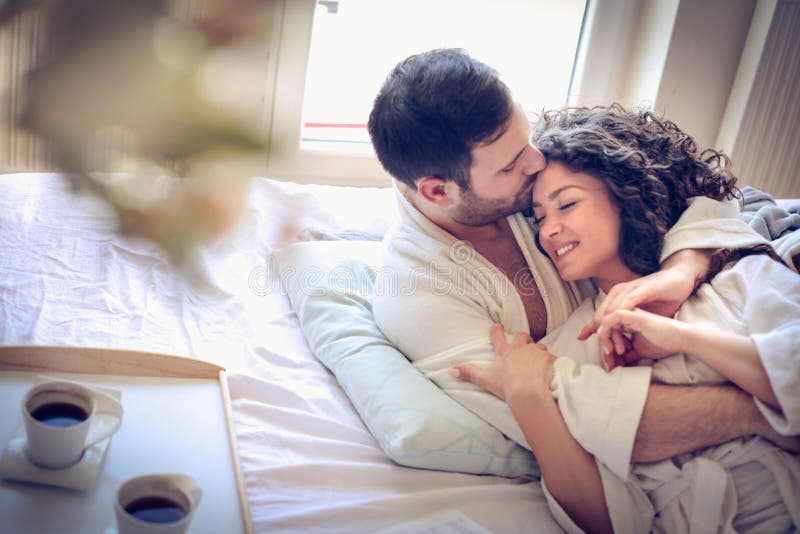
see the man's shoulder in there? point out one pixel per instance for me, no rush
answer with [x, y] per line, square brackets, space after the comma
[420, 290]
[409, 319]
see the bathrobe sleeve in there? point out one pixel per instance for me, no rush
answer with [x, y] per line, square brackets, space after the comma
[707, 223]
[766, 295]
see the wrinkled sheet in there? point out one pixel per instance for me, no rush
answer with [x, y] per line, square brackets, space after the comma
[309, 463]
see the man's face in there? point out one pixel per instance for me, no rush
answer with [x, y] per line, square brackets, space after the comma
[502, 175]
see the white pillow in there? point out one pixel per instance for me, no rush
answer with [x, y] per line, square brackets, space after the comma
[330, 284]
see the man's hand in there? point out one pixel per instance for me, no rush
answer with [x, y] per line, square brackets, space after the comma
[518, 366]
[662, 293]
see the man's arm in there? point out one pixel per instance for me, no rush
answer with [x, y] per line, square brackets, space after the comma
[679, 419]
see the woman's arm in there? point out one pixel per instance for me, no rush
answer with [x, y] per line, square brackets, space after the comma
[571, 473]
[698, 416]
[734, 356]
[521, 375]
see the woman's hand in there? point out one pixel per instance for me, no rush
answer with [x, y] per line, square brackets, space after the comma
[653, 336]
[662, 293]
[520, 375]
[518, 367]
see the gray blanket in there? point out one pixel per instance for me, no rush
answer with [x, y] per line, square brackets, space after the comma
[764, 215]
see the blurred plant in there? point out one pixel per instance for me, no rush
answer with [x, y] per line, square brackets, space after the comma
[156, 101]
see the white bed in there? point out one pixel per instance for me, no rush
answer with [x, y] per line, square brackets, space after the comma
[310, 463]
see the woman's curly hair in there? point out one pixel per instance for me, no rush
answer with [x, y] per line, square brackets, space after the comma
[649, 165]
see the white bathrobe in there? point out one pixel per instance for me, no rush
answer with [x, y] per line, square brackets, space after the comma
[437, 298]
[740, 486]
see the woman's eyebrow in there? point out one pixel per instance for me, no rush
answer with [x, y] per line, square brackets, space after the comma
[560, 190]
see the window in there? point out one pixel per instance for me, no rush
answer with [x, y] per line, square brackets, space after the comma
[334, 56]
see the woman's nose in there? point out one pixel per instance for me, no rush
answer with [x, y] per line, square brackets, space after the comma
[550, 226]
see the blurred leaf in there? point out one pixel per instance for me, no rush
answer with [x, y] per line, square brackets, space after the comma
[129, 79]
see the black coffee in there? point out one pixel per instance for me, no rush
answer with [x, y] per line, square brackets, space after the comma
[59, 414]
[156, 510]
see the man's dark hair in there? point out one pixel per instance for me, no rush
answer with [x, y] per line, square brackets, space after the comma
[432, 110]
[650, 166]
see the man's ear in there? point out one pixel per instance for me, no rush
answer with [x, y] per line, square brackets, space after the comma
[436, 191]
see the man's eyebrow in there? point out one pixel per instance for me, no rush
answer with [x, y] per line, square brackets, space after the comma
[557, 192]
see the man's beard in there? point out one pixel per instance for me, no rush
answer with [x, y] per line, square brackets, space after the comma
[476, 211]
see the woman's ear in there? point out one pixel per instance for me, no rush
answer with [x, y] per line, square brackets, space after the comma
[436, 191]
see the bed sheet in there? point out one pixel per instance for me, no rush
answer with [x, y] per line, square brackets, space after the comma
[310, 465]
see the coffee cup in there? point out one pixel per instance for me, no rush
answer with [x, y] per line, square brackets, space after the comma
[63, 419]
[163, 503]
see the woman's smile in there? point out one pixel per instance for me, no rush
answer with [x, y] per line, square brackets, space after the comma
[560, 251]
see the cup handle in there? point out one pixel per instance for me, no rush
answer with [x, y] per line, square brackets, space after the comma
[106, 405]
[189, 485]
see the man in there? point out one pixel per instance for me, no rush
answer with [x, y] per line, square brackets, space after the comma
[448, 130]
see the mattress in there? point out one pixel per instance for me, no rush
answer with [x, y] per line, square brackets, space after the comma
[309, 462]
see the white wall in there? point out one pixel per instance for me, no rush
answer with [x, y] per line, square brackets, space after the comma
[701, 63]
[679, 57]
[762, 126]
[650, 47]
[726, 71]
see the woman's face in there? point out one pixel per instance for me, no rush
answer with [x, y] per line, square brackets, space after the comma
[579, 226]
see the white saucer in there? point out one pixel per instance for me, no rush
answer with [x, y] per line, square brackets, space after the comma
[15, 465]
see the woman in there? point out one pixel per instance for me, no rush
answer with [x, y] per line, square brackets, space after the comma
[616, 181]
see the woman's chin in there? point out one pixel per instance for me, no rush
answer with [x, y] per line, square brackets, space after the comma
[567, 276]
[571, 275]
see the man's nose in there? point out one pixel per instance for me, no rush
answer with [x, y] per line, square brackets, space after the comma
[534, 160]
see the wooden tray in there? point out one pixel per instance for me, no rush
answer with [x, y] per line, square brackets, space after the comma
[177, 419]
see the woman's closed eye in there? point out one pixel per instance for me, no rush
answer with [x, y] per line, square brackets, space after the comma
[538, 216]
